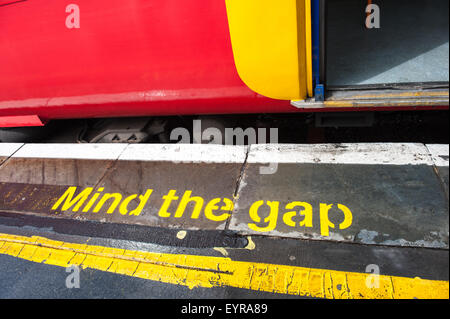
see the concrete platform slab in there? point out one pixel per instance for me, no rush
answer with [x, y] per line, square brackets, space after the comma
[172, 195]
[180, 221]
[172, 186]
[385, 194]
[440, 155]
[58, 164]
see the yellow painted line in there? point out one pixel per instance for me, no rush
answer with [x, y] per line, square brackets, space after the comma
[413, 94]
[341, 103]
[204, 271]
[392, 103]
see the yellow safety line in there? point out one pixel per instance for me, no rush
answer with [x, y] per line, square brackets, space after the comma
[398, 95]
[309, 84]
[205, 271]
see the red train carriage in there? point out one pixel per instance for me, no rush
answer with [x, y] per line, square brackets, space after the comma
[97, 58]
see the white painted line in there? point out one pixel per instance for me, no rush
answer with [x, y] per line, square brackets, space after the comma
[7, 149]
[186, 153]
[359, 153]
[439, 154]
[71, 151]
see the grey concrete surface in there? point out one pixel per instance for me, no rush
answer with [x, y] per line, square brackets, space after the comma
[411, 45]
[390, 205]
[399, 218]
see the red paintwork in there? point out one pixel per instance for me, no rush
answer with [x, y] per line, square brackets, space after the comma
[129, 58]
[21, 120]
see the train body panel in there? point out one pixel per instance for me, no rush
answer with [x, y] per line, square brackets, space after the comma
[127, 58]
[114, 58]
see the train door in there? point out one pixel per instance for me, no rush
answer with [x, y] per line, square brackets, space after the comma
[382, 53]
[343, 53]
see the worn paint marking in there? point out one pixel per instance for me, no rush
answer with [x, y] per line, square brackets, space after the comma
[205, 271]
[94, 204]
